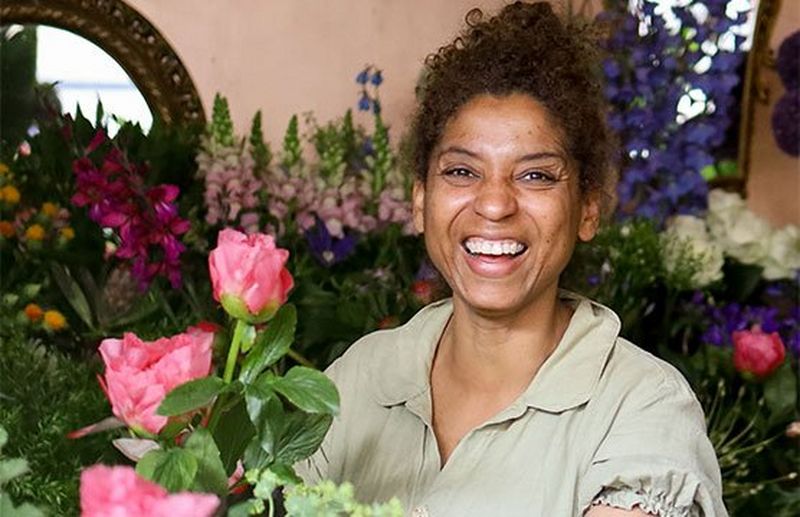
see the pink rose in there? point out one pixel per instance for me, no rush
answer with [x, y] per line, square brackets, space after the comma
[139, 374]
[757, 353]
[120, 492]
[248, 275]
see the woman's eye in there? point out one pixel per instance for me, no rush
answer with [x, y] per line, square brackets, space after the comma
[537, 176]
[459, 172]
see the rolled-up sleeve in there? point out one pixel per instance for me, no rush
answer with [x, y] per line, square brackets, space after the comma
[656, 457]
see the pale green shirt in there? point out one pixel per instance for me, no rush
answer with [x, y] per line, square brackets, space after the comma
[602, 421]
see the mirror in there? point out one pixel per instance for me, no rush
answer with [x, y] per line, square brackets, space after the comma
[135, 61]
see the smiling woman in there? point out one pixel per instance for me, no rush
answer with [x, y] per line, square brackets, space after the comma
[515, 397]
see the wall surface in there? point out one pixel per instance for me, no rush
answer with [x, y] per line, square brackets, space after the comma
[292, 56]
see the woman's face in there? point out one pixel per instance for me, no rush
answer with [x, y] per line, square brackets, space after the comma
[501, 207]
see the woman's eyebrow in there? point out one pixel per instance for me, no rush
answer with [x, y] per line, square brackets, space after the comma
[454, 149]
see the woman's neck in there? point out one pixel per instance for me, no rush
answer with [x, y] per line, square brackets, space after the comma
[500, 355]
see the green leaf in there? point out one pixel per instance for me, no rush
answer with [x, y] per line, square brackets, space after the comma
[7, 508]
[211, 475]
[257, 394]
[174, 469]
[3, 437]
[232, 434]
[11, 468]
[308, 389]
[268, 423]
[301, 435]
[271, 344]
[780, 392]
[190, 395]
[72, 292]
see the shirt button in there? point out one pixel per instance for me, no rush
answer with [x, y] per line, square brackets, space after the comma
[419, 511]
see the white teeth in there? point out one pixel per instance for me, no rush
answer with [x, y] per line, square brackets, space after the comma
[497, 248]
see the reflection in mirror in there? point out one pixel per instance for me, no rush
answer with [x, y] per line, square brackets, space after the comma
[72, 71]
[83, 75]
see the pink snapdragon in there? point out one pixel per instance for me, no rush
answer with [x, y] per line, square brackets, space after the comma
[139, 374]
[230, 181]
[120, 492]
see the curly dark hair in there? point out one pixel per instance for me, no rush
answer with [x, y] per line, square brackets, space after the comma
[525, 48]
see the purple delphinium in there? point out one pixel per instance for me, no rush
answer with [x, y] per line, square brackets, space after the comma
[726, 319]
[647, 76]
[786, 122]
[788, 61]
[328, 250]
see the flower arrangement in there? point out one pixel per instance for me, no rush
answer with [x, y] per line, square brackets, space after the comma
[194, 431]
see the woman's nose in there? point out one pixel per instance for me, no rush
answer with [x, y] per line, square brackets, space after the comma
[495, 199]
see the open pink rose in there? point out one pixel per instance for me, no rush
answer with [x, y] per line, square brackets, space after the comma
[139, 374]
[248, 275]
[120, 492]
[757, 353]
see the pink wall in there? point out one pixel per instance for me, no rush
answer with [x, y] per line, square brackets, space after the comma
[293, 56]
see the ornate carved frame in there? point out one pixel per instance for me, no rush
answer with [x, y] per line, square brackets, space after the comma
[130, 39]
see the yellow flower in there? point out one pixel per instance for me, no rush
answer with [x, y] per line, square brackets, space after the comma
[49, 209]
[9, 194]
[3, 169]
[54, 320]
[6, 229]
[33, 312]
[67, 233]
[35, 232]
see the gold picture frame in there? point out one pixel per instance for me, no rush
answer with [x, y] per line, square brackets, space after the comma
[131, 40]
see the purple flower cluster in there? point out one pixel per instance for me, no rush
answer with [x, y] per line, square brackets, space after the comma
[648, 76]
[144, 218]
[369, 75]
[786, 114]
[731, 317]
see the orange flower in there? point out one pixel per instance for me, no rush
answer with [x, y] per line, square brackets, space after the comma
[54, 320]
[9, 194]
[67, 233]
[35, 232]
[49, 209]
[3, 169]
[33, 312]
[7, 229]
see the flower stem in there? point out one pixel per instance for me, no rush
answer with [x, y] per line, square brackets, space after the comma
[233, 351]
[300, 359]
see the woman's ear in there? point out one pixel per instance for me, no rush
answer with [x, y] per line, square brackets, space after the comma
[590, 217]
[418, 205]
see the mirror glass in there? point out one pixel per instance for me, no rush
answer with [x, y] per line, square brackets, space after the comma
[78, 73]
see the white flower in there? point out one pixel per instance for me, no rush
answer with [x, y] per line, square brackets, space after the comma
[688, 244]
[783, 257]
[742, 234]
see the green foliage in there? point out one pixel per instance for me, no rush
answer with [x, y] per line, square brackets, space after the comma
[45, 395]
[190, 396]
[259, 149]
[292, 149]
[11, 468]
[17, 89]
[383, 160]
[221, 128]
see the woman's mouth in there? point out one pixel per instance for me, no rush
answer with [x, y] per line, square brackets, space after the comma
[477, 246]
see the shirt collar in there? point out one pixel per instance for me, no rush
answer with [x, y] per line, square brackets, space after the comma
[565, 380]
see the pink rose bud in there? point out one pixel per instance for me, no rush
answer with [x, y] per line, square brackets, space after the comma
[120, 492]
[757, 353]
[248, 275]
[140, 374]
